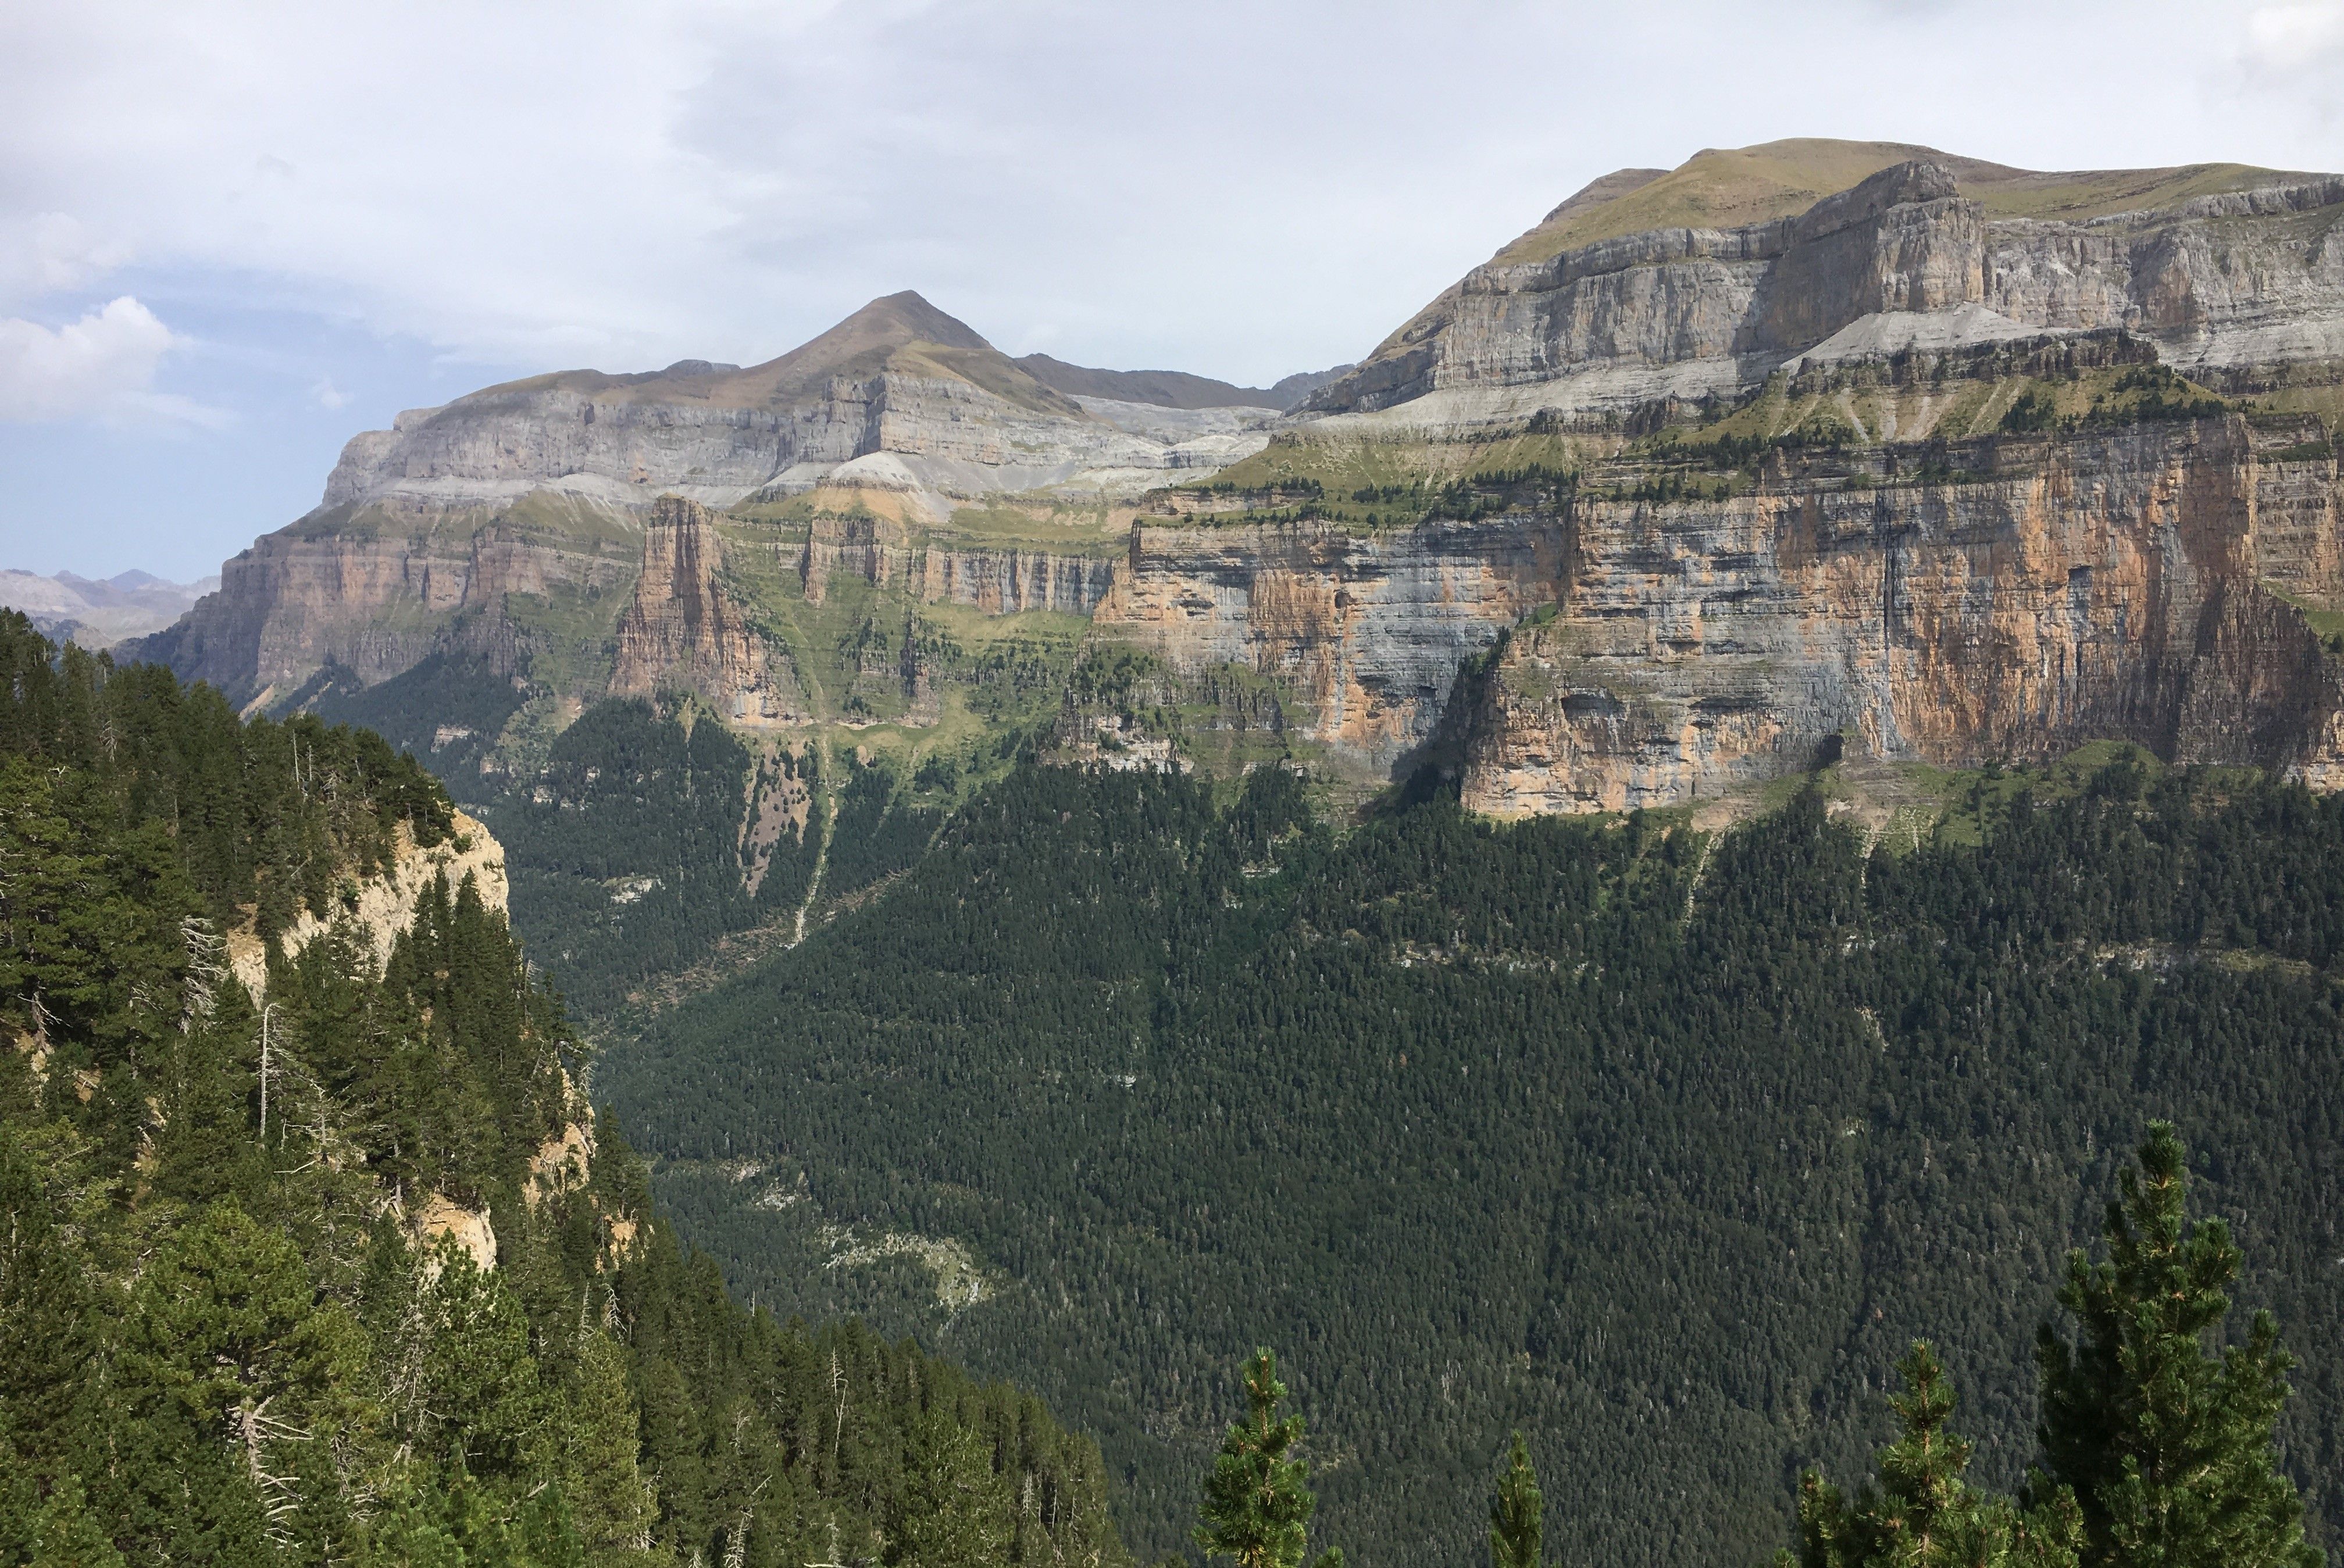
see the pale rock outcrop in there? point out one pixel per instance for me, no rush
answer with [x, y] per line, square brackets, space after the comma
[439, 1216]
[385, 904]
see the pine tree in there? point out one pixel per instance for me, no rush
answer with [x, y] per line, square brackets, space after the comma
[1516, 1531]
[955, 1511]
[68, 1536]
[2168, 1445]
[48, 1334]
[1257, 1508]
[1920, 1513]
[614, 1507]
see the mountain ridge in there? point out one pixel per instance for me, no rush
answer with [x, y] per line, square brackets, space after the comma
[1794, 405]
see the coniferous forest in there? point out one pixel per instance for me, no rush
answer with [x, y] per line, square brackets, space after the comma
[230, 1333]
[1660, 1149]
[1610, 1193]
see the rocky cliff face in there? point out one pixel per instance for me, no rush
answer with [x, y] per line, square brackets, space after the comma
[683, 632]
[1367, 630]
[1006, 581]
[2133, 584]
[373, 594]
[2144, 583]
[2245, 286]
[898, 379]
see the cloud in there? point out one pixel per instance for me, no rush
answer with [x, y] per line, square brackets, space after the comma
[47, 253]
[329, 396]
[102, 367]
[2292, 37]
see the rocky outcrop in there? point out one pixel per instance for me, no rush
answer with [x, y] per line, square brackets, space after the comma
[385, 904]
[440, 1219]
[682, 632]
[2242, 288]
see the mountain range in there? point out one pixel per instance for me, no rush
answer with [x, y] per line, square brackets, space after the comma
[99, 613]
[1776, 447]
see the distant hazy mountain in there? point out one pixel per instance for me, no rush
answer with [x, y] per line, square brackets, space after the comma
[99, 613]
[1172, 388]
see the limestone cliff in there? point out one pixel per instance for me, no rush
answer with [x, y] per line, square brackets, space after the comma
[374, 589]
[1367, 629]
[1951, 603]
[2235, 273]
[999, 581]
[898, 377]
[2141, 585]
[683, 632]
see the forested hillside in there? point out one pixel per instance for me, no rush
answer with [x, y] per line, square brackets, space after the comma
[340, 1273]
[1662, 1148]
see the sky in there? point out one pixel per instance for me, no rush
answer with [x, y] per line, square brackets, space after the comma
[232, 236]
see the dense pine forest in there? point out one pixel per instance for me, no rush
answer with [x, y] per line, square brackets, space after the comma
[342, 1272]
[1661, 1148]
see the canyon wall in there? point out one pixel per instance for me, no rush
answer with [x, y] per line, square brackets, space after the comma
[1367, 630]
[2141, 583]
[374, 596]
[681, 631]
[2125, 585]
[999, 581]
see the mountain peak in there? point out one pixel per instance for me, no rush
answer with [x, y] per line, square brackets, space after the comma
[911, 314]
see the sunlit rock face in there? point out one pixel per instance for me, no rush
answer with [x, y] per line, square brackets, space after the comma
[2128, 585]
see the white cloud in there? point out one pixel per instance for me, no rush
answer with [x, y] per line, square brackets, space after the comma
[102, 367]
[2289, 37]
[49, 252]
[329, 396]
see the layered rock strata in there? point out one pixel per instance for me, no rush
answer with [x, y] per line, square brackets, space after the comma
[1006, 581]
[1367, 630]
[681, 631]
[2143, 584]
[372, 596]
[2244, 288]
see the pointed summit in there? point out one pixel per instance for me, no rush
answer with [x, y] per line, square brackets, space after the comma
[912, 315]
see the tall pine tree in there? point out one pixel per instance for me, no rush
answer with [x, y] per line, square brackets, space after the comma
[1516, 1531]
[1257, 1508]
[1920, 1513]
[2167, 1442]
